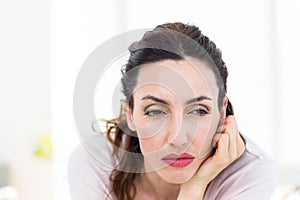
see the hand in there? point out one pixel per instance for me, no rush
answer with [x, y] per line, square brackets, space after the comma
[229, 147]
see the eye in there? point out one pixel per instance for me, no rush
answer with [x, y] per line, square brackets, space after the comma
[199, 112]
[154, 113]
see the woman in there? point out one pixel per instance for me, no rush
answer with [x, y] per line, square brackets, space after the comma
[177, 137]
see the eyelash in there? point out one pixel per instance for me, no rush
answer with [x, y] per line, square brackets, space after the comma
[157, 113]
[200, 112]
[154, 111]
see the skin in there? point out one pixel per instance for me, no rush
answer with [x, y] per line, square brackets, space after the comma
[168, 124]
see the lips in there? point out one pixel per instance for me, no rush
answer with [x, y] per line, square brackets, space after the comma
[178, 161]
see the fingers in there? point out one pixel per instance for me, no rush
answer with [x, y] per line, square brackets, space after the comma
[239, 147]
[222, 153]
[235, 145]
[229, 147]
[232, 130]
[221, 126]
[213, 165]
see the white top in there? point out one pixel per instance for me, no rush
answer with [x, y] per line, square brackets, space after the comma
[251, 177]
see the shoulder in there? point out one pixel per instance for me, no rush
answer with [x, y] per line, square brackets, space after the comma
[252, 176]
[89, 168]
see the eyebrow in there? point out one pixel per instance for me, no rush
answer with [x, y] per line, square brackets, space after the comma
[200, 98]
[153, 98]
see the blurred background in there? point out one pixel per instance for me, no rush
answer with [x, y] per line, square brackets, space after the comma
[43, 44]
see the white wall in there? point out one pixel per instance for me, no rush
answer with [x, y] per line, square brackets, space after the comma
[259, 40]
[254, 36]
[288, 86]
[25, 93]
[77, 28]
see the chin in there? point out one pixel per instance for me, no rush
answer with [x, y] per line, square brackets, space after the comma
[176, 176]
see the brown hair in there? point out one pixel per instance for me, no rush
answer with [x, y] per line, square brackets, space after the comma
[176, 41]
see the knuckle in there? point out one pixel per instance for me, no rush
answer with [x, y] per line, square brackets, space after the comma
[230, 118]
[224, 137]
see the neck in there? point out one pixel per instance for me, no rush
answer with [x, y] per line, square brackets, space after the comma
[155, 186]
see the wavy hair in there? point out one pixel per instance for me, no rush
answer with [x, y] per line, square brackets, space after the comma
[177, 41]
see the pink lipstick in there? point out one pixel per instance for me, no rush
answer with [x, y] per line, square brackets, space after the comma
[178, 161]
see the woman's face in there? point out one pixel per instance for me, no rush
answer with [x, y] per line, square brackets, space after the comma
[175, 115]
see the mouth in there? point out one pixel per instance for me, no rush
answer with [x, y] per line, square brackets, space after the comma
[178, 161]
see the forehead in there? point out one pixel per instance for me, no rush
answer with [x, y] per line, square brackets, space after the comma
[185, 79]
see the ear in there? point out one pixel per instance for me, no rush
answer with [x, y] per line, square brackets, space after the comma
[129, 118]
[224, 108]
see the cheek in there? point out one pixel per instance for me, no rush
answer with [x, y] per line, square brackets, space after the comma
[149, 131]
[151, 135]
[150, 128]
[151, 145]
[203, 137]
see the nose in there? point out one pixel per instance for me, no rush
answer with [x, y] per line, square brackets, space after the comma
[177, 132]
